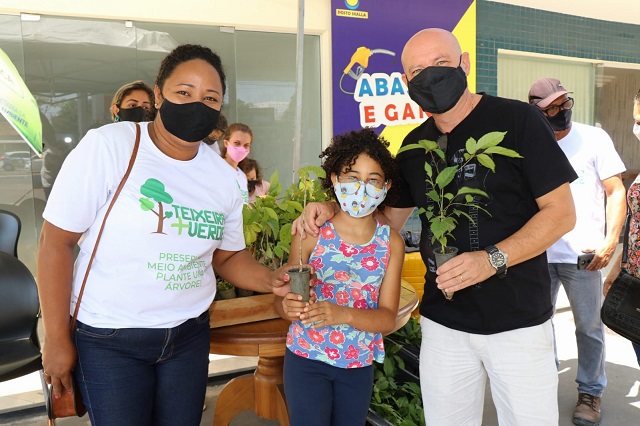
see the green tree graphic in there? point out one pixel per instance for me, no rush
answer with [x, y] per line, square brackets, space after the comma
[153, 189]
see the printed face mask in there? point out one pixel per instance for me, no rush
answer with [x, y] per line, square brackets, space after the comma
[561, 120]
[438, 89]
[190, 122]
[358, 199]
[136, 114]
[237, 153]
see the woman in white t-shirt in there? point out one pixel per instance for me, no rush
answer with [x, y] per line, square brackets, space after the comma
[139, 350]
[236, 146]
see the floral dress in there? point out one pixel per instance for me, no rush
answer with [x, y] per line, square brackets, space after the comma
[347, 275]
[633, 252]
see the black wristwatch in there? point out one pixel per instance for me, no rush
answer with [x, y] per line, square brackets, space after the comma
[498, 260]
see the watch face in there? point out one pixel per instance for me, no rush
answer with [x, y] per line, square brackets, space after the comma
[497, 259]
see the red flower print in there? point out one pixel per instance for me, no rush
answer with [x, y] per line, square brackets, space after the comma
[356, 294]
[370, 263]
[379, 343]
[304, 344]
[296, 329]
[342, 298]
[327, 233]
[319, 250]
[300, 353]
[352, 352]
[327, 291]
[360, 304]
[368, 287]
[369, 359]
[336, 337]
[289, 339]
[315, 336]
[369, 248]
[385, 259]
[355, 364]
[316, 263]
[348, 250]
[332, 353]
[341, 276]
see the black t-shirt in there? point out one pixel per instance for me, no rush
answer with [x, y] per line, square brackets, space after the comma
[522, 298]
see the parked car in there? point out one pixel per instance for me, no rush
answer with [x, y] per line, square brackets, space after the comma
[15, 160]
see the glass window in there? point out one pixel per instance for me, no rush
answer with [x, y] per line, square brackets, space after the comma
[74, 66]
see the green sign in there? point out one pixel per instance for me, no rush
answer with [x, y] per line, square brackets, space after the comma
[18, 105]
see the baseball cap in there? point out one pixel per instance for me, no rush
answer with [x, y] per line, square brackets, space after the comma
[546, 90]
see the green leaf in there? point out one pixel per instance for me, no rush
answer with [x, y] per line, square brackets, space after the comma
[471, 146]
[468, 190]
[428, 168]
[146, 204]
[445, 177]
[409, 147]
[433, 194]
[490, 139]
[486, 161]
[498, 150]
[272, 213]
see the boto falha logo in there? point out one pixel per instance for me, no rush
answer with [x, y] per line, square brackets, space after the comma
[352, 4]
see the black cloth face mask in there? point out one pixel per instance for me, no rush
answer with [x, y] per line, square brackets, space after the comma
[438, 89]
[136, 114]
[190, 122]
[251, 185]
[560, 121]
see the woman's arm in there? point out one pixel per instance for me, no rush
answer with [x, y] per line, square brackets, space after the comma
[55, 275]
[380, 320]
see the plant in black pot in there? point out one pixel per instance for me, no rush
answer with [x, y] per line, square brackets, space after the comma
[446, 207]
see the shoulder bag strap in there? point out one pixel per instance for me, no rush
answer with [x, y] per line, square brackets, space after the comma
[113, 201]
[625, 246]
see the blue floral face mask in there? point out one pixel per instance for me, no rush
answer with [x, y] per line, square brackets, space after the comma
[359, 199]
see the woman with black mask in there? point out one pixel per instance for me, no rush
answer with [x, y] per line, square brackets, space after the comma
[133, 102]
[139, 349]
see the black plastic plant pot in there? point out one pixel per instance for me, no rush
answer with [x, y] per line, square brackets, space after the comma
[300, 281]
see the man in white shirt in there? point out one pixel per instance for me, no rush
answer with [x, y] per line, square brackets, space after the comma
[599, 167]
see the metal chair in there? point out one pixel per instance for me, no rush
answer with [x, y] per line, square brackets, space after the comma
[19, 306]
[10, 226]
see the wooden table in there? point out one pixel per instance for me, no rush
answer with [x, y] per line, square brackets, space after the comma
[250, 326]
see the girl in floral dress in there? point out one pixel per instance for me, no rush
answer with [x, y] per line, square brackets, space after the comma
[334, 340]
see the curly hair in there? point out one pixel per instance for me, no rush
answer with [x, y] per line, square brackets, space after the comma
[185, 53]
[344, 151]
[125, 90]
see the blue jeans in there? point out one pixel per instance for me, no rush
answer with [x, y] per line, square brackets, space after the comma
[143, 376]
[584, 291]
[319, 394]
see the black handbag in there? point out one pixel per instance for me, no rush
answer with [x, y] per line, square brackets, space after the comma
[621, 308]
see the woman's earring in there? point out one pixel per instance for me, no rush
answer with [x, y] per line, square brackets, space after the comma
[117, 118]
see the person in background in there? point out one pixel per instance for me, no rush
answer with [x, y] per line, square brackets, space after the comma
[53, 155]
[255, 184]
[237, 145]
[633, 200]
[214, 138]
[592, 154]
[333, 342]
[133, 102]
[498, 325]
[140, 347]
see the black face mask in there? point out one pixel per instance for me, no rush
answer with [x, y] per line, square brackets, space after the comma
[136, 114]
[190, 122]
[438, 89]
[560, 121]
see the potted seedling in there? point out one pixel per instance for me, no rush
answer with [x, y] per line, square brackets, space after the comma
[300, 275]
[225, 289]
[446, 207]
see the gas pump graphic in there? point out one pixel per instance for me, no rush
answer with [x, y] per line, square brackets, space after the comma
[359, 62]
